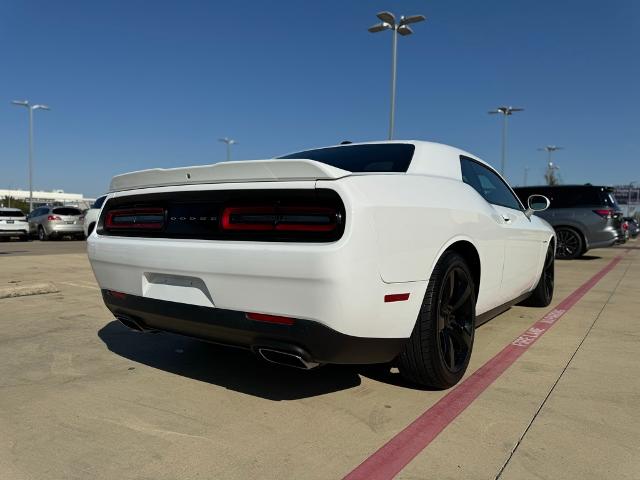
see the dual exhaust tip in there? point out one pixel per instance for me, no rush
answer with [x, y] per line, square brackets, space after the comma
[271, 355]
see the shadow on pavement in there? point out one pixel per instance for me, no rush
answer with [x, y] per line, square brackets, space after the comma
[232, 368]
[588, 257]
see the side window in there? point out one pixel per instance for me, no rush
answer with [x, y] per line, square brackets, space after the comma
[488, 184]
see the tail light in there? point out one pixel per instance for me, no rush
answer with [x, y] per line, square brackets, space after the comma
[625, 226]
[604, 213]
[278, 218]
[53, 218]
[135, 219]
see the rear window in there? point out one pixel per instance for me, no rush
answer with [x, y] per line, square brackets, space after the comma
[11, 213]
[98, 203]
[384, 157]
[66, 211]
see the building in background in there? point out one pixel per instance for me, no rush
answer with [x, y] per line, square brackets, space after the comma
[54, 197]
[628, 197]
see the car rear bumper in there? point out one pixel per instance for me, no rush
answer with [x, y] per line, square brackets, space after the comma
[14, 232]
[310, 340]
[63, 229]
[335, 284]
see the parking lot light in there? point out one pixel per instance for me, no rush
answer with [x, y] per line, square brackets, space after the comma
[550, 175]
[402, 28]
[229, 142]
[32, 108]
[506, 112]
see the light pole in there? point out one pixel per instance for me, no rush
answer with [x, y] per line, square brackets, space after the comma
[629, 198]
[402, 27]
[32, 108]
[526, 174]
[506, 112]
[229, 142]
[550, 175]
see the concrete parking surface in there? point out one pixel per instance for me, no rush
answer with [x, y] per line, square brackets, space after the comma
[83, 397]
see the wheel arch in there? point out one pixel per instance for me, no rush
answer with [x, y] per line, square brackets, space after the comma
[465, 247]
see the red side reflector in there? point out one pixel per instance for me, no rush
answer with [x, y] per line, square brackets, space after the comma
[396, 297]
[119, 295]
[262, 317]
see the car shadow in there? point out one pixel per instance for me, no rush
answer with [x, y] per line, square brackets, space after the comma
[232, 368]
[588, 257]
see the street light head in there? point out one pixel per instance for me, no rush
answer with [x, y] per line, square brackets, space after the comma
[387, 17]
[405, 30]
[41, 107]
[412, 19]
[379, 27]
[22, 103]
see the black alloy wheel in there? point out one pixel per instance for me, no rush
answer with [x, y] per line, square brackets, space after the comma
[569, 244]
[543, 293]
[437, 353]
[455, 329]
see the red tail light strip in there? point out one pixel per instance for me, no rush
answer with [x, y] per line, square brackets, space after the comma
[111, 220]
[280, 218]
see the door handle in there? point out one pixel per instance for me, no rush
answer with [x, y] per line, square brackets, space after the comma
[506, 218]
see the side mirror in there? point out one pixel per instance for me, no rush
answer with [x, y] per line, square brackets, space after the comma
[536, 203]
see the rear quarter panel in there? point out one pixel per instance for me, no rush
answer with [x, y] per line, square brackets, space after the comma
[415, 218]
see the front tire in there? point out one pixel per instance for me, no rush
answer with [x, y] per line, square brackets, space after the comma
[437, 353]
[543, 293]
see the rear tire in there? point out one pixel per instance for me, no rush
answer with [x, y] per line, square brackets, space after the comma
[42, 235]
[437, 353]
[570, 244]
[543, 293]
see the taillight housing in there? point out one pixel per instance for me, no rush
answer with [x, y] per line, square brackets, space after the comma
[604, 212]
[280, 218]
[54, 218]
[135, 219]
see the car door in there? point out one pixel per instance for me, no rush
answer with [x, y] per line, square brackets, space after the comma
[523, 241]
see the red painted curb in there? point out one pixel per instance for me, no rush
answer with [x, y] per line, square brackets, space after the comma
[393, 456]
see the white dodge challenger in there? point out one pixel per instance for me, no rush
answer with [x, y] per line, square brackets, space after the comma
[361, 253]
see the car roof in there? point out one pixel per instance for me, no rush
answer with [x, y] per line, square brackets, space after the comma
[429, 158]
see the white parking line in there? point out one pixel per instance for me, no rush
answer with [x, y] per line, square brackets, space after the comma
[79, 285]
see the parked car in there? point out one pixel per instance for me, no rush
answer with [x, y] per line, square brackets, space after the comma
[632, 225]
[361, 253]
[91, 215]
[55, 222]
[583, 216]
[13, 223]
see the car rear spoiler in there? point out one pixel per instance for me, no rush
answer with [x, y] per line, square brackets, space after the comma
[229, 172]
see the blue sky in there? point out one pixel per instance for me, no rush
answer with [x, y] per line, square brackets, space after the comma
[138, 84]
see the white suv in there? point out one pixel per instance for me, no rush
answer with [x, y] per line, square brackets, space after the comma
[13, 223]
[91, 216]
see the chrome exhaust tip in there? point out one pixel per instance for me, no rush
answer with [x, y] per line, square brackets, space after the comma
[288, 359]
[133, 324]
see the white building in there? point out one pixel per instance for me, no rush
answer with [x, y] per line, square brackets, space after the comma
[44, 198]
